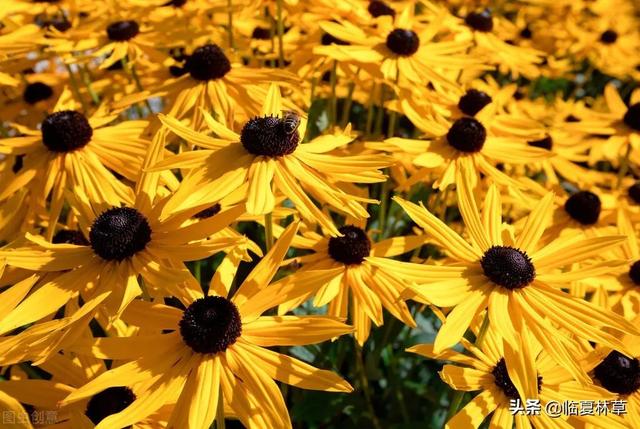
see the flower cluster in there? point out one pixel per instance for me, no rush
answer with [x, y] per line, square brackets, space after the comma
[202, 198]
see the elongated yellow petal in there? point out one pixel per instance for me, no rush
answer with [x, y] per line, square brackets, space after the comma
[535, 225]
[262, 274]
[469, 208]
[442, 234]
[268, 331]
[492, 215]
[426, 350]
[459, 319]
[567, 252]
[293, 371]
[273, 103]
[190, 135]
[260, 200]
[475, 412]
[262, 387]
[172, 381]
[467, 379]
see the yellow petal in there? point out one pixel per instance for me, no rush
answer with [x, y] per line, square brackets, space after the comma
[268, 331]
[293, 371]
[459, 319]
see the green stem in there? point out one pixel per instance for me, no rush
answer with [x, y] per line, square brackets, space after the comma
[230, 23]
[482, 332]
[197, 271]
[382, 214]
[312, 95]
[268, 231]
[456, 400]
[370, 109]
[333, 104]
[380, 115]
[86, 78]
[346, 110]
[131, 68]
[624, 167]
[76, 88]
[458, 396]
[280, 30]
[220, 423]
[364, 385]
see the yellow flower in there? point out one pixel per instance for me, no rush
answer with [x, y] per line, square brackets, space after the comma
[619, 374]
[71, 151]
[514, 278]
[351, 274]
[461, 141]
[265, 153]
[401, 49]
[208, 81]
[624, 140]
[502, 373]
[216, 350]
[124, 242]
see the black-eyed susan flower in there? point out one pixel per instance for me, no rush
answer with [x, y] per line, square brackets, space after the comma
[124, 242]
[622, 144]
[402, 50]
[267, 152]
[490, 34]
[72, 150]
[513, 277]
[619, 373]
[66, 375]
[349, 274]
[217, 351]
[502, 373]
[209, 81]
[608, 42]
[461, 142]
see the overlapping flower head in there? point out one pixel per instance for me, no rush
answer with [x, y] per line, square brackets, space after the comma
[202, 198]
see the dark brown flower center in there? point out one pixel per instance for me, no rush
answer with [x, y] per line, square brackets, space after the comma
[473, 101]
[352, 247]
[210, 325]
[608, 37]
[634, 192]
[480, 21]
[632, 117]
[378, 8]
[403, 42]
[36, 91]
[583, 207]
[508, 267]
[109, 401]
[544, 143]
[269, 136]
[634, 273]
[119, 233]
[467, 135]
[66, 131]
[121, 31]
[260, 33]
[208, 62]
[618, 373]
